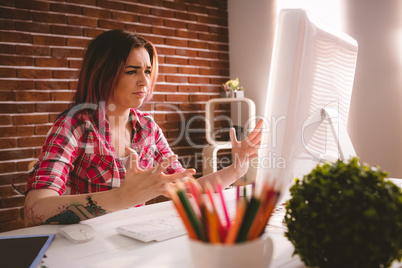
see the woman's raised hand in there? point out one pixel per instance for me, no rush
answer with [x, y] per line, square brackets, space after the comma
[144, 184]
[247, 149]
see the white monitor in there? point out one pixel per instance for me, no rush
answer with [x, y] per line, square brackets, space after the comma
[308, 99]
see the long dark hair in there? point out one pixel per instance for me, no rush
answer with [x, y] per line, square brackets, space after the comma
[104, 62]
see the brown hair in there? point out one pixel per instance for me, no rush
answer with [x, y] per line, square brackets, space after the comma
[104, 62]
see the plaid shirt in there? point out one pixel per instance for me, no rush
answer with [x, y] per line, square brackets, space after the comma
[78, 156]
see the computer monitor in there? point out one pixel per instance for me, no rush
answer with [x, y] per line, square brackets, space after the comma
[309, 92]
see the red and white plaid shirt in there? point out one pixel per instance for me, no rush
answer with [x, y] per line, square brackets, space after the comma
[78, 155]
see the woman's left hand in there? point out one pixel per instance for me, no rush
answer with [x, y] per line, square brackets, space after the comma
[247, 149]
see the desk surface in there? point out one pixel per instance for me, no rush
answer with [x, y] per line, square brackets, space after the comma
[110, 249]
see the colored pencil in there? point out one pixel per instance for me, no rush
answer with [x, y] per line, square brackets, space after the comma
[213, 226]
[225, 211]
[179, 207]
[248, 219]
[234, 229]
[260, 218]
[196, 190]
[196, 197]
[203, 222]
[270, 208]
[221, 229]
[194, 221]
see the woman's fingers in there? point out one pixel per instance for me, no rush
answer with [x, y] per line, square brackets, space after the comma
[133, 159]
[189, 172]
[257, 131]
[253, 143]
[181, 176]
[233, 138]
[256, 141]
[254, 138]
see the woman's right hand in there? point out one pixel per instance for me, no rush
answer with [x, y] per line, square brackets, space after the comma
[141, 185]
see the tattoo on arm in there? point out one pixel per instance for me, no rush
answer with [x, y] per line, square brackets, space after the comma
[75, 213]
[31, 218]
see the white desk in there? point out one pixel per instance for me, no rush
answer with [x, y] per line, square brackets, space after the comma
[110, 249]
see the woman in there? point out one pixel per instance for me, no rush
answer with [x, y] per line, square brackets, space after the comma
[103, 155]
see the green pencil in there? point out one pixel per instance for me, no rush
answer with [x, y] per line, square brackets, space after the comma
[190, 213]
[248, 219]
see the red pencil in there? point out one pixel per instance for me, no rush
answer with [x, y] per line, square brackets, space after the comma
[225, 211]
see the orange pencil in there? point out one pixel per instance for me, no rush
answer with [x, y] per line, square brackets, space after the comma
[221, 228]
[180, 210]
[270, 205]
[259, 218]
[235, 227]
[213, 226]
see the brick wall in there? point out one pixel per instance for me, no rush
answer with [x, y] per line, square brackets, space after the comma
[41, 47]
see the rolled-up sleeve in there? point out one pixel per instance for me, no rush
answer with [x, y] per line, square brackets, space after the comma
[57, 157]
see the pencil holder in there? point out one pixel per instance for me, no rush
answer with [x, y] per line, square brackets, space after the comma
[255, 253]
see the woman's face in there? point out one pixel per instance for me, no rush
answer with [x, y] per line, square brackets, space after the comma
[131, 88]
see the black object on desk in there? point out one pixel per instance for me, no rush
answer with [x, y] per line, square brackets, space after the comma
[25, 250]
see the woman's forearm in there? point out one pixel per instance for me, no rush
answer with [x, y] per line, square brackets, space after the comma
[45, 206]
[226, 175]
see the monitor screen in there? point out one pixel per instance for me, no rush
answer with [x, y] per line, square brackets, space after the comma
[309, 92]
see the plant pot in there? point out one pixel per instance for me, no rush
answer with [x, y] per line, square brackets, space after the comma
[232, 94]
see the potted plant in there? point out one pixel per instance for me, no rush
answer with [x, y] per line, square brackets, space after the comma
[232, 89]
[345, 215]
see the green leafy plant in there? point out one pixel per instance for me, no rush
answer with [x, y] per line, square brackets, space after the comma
[345, 215]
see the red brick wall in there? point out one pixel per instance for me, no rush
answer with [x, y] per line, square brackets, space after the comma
[41, 46]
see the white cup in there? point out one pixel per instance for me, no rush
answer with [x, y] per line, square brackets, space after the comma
[253, 254]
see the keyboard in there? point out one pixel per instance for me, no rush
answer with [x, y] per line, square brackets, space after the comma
[166, 225]
[157, 228]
